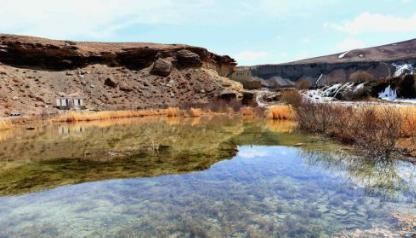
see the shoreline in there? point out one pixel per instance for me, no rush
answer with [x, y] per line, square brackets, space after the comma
[278, 112]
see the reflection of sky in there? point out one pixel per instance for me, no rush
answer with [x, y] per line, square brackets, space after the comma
[248, 153]
[259, 186]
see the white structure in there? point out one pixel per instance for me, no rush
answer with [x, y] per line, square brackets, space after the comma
[70, 102]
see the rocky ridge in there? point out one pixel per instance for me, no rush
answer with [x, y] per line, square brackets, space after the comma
[109, 76]
[380, 62]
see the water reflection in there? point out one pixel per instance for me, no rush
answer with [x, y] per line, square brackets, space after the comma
[390, 179]
[213, 178]
[264, 191]
[56, 155]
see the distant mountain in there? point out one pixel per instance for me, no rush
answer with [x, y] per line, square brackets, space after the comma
[380, 62]
[391, 52]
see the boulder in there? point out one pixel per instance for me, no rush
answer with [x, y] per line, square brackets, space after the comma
[187, 58]
[110, 82]
[125, 87]
[249, 98]
[227, 95]
[161, 67]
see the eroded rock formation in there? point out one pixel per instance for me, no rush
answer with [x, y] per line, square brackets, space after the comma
[381, 62]
[109, 76]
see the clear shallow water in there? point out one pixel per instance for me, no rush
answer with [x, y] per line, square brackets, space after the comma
[268, 188]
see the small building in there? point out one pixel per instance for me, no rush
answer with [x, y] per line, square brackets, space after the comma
[70, 102]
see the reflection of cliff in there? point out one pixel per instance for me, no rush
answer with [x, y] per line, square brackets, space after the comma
[59, 155]
[103, 142]
[68, 154]
[384, 178]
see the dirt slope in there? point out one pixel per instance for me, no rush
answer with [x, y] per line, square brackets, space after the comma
[109, 76]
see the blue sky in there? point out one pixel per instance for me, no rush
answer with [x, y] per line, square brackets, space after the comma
[253, 32]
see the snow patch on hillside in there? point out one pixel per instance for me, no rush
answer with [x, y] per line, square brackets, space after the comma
[341, 56]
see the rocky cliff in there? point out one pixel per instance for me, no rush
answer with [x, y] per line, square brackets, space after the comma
[109, 76]
[378, 61]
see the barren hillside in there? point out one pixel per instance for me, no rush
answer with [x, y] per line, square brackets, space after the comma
[391, 52]
[378, 61]
[34, 72]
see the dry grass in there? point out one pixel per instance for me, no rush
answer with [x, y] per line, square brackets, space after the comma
[171, 112]
[281, 126]
[248, 112]
[374, 128]
[408, 124]
[196, 112]
[110, 115]
[292, 97]
[5, 125]
[5, 133]
[280, 112]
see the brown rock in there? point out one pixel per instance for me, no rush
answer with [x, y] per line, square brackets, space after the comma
[125, 88]
[110, 82]
[161, 67]
[187, 58]
[227, 95]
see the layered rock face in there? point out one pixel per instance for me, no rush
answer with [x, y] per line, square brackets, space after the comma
[109, 76]
[32, 52]
[378, 61]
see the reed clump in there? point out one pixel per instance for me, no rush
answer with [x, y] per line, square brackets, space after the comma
[248, 112]
[196, 112]
[375, 129]
[280, 112]
[74, 116]
[5, 125]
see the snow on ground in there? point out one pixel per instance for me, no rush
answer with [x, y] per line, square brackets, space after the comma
[402, 69]
[316, 96]
[412, 101]
[341, 56]
[328, 94]
[390, 95]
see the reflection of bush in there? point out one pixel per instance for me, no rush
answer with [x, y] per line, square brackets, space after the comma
[384, 178]
[374, 129]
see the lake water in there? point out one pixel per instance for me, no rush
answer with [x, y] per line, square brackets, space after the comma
[195, 178]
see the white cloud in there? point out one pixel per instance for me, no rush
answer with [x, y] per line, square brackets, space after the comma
[91, 18]
[350, 44]
[373, 22]
[94, 19]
